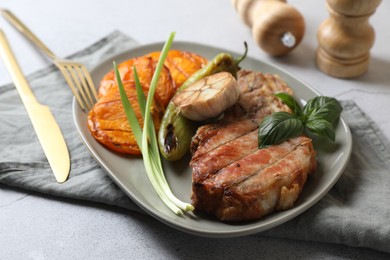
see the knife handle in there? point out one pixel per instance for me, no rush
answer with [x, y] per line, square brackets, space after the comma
[10, 17]
[15, 71]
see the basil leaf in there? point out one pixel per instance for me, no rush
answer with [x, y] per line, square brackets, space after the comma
[319, 116]
[278, 127]
[321, 127]
[322, 107]
[290, 102]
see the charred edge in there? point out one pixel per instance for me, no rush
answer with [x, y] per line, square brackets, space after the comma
[206, 199]
[201, 140]
[170, 139]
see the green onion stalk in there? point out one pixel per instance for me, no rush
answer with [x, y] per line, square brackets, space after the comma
[146, 138]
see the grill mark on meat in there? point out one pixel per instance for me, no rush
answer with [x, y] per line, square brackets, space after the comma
[224, 155]
[214, 136]
[252, 163]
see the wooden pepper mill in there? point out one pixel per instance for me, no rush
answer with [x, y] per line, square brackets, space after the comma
[346, 37]
[277, 27]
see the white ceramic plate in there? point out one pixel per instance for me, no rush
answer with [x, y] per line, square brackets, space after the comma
[129, 173]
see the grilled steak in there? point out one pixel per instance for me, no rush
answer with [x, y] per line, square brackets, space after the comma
[233, 179]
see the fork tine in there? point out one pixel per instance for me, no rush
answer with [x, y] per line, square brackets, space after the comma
[90, 83]
[87, 88]
[71, 70]
[71, 85]
[80, 82]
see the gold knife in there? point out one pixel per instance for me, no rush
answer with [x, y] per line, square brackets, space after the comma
[44, 123]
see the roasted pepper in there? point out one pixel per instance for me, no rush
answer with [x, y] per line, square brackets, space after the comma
[176, 131]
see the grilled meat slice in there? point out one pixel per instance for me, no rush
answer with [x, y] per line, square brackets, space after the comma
[232, 178]
[257, 184]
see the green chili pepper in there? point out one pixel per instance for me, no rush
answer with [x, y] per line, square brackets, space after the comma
[176, 131]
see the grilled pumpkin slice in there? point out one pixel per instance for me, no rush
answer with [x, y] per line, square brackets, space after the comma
[107, 120]
[181, 65]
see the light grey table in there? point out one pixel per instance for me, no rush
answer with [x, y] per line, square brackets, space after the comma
[36, 226]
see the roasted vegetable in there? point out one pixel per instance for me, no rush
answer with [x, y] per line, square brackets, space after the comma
[208, 97]
[176, 131]
[107, 121]
[181, 65]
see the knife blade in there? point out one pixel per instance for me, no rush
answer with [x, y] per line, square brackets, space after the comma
[45, 126]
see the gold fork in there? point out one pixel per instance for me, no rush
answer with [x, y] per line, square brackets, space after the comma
[76, 74]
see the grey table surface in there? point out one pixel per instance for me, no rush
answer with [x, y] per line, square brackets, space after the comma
[36, 226]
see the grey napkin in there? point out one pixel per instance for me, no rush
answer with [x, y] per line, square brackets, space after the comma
[355, 212]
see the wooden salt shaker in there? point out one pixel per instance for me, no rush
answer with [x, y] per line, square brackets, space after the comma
[276, 26]
[346, 37]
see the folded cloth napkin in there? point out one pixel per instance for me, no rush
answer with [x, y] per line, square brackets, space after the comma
[355, 212]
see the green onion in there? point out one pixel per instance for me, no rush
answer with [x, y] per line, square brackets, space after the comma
[146, 138]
